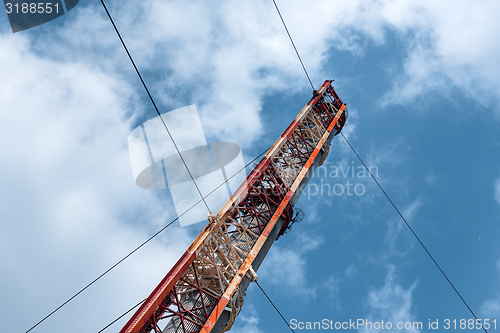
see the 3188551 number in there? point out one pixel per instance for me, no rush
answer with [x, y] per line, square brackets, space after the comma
[32, 8]
[470, 324]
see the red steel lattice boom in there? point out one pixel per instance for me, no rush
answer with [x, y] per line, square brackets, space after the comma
[204, 290]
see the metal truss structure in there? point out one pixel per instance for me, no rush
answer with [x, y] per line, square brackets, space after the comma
[205, 289]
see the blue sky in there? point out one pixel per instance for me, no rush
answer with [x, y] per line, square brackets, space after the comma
[420, 81]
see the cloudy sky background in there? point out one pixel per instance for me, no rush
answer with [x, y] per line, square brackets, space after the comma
[421, 82]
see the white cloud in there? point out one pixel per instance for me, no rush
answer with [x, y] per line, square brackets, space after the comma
[450, 43]
[391, 303]
[351, 270]
[432, 180]
[247, 321]
[386, 156]
[410, 212]
[490, 308]
[331, 289]
[497, 190]
[286, 268]
[69, 208]
[394, 229]
[451, 46]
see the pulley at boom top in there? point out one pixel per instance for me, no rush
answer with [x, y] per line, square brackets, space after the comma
[205, 289]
